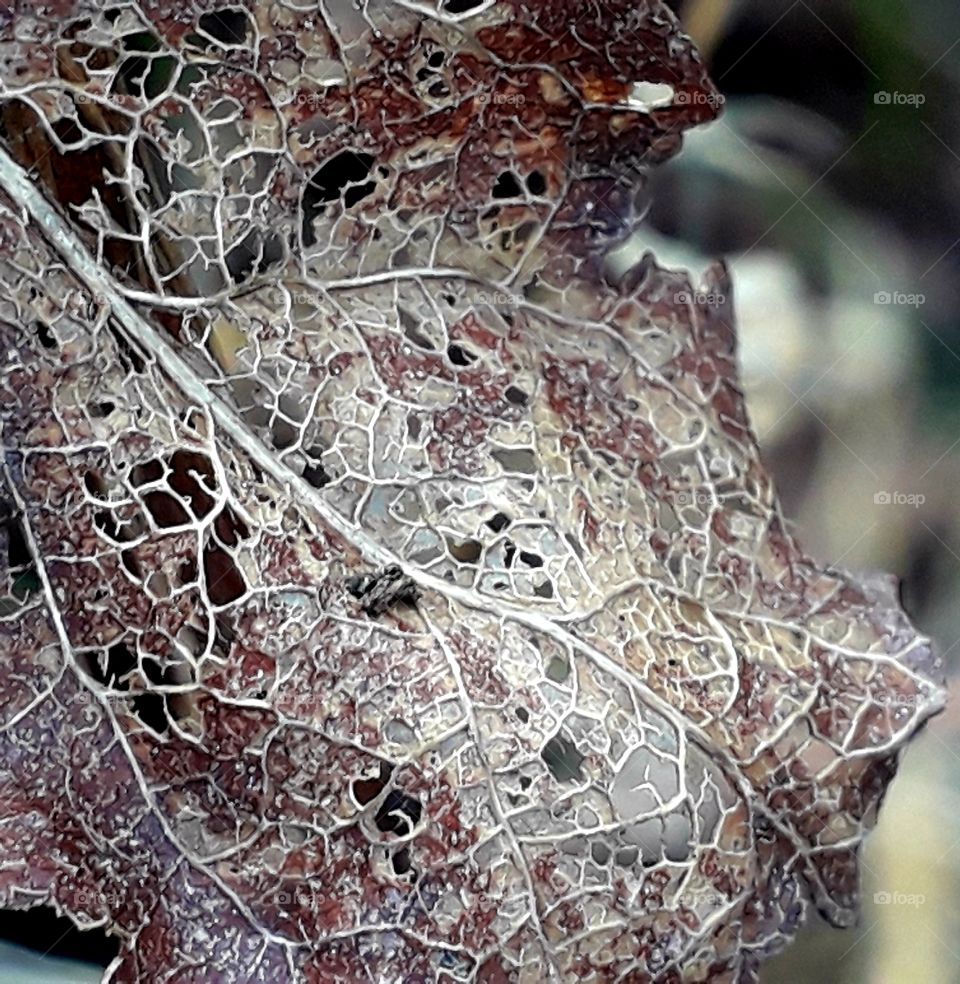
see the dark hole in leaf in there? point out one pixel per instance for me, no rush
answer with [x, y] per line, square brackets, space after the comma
[225, 583]
[160, 188]
[368, 789]
[398, 814]
[524, 715]
[94, 484]
[461, 6]
[151, 471]
[460, 356]
[102, 409]
[411, 329]
[536, 183]
[146, 77]
[109, 667]
[18, 553]
[522, 460]
[192, 476]
[225, 633]
[187, 572]
[131, 74]
[627, 856]
[254, 254]
[544, 589]
[316, 475]
[19, 558]
[498, 522]
[342, 176]
[531, 559]
[140, 41]
[562, 759]
[509, 554]
[436, 60]
[516, 396]
[104, 521]
[151, 709]
[41, 930]
[525, 782]
[507, 186]
[558, 670]
[401, 861]
[600, 853]
[165, 510]
[153, 671]
[466, 551]
[227, 26]
[129, 560]
[229, 528]
[284, 434]
[45, 335]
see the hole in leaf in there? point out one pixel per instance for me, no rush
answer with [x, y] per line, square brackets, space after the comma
[401, 861]
[343, 176]
[558, 670]
[254, 254]
[140, 41]
[228, 26]
[544, 589]
[562, 759]
[93, 482]
[151, 709]
[523, 714]
[41, 930]
[225, 583]
[110, 667]
[600, 853]
[316, 475]
[531, 559]
[165, 510]
[229, 528]
[102, 409]
[151, 471]
[129, 560]
[45, 335]
[536, 183]
[398, 814]
[460, 356]
[461, 6]
[498, 522]
[466, 551]
[516, 396]
[523, 460]
[366, 790]
[507, 186]
[411, 329]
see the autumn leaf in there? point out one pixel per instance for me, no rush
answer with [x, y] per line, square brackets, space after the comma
[389, 593]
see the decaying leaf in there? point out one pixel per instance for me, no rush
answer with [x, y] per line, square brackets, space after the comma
[389, 595]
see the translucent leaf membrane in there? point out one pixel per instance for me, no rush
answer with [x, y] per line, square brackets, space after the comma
[386, 593]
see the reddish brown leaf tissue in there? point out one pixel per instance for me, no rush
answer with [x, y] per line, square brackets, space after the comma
[295, 295]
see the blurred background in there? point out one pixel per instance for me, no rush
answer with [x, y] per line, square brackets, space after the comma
[832, 185]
